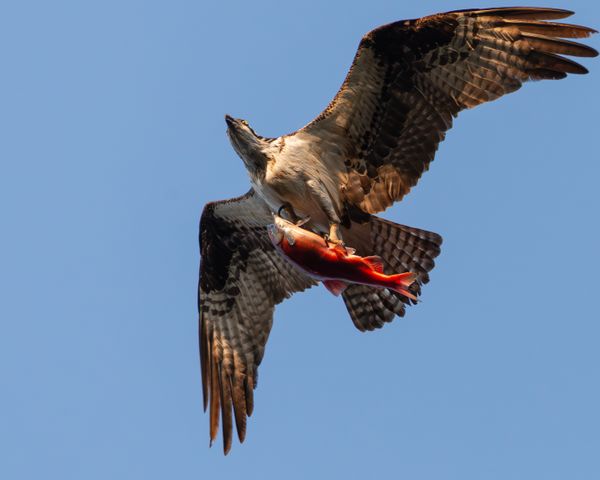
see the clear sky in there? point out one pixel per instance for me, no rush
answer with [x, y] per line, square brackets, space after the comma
[113, 139]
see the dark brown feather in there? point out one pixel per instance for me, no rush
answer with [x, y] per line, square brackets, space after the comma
[215, 398]
[531, 13]
[249, 386]
[557, 63]
[559, 30]
[559, 46]
[239, 403]
[204, 363]
[226, 405]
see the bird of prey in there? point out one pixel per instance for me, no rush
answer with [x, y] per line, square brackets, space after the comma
[364, 152]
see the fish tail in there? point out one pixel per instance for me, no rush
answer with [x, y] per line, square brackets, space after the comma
[400, 283]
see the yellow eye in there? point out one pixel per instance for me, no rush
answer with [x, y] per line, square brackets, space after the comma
[244, 122]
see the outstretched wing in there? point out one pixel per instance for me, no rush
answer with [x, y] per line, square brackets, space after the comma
[410, 78]
[242, 278]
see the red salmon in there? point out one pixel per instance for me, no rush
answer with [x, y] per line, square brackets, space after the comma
[334, 265]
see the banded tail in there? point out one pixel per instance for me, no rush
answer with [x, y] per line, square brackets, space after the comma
[402, 249]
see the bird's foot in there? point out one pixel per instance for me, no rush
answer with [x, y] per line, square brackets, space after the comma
[334, 238]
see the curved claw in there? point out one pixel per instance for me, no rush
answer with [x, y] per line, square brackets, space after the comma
[302, 221]
[334, 243]
[283, 207]
[334, 240]
[289, 210]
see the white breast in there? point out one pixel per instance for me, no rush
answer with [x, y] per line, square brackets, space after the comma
[298, 161]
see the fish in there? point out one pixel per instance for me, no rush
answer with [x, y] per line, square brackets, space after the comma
[332, 264]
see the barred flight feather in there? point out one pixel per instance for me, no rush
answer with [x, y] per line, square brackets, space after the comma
[410, 78]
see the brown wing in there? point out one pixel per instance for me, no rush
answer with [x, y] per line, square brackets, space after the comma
[410, 78]
[242, 278]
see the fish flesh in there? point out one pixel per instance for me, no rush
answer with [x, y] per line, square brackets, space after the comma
[334, 265]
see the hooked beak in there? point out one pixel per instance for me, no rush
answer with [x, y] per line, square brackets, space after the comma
[229, 120]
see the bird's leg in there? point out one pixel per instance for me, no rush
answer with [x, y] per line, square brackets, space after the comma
[334, 234]
[320, 193]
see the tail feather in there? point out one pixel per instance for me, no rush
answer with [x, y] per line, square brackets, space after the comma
[371, 308]
[402, 249]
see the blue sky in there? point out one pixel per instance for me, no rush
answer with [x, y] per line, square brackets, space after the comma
[113, 139]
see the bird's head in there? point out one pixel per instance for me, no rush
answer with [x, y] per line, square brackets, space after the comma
[251, 147]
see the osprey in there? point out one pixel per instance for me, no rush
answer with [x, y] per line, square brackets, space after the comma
[364, 152]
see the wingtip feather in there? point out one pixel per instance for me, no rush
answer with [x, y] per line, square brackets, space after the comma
[529, 13]
[239, 407]
[204, 362]
[214, 406]
[226, 408]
